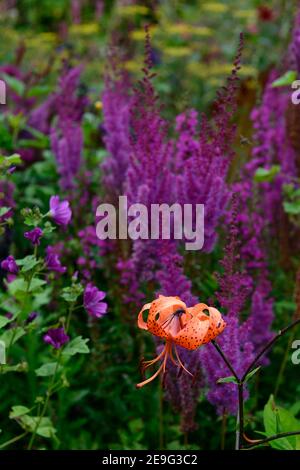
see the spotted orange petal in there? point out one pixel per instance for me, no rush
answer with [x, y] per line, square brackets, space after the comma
[216, 324]
[193, 334]
[160, 322]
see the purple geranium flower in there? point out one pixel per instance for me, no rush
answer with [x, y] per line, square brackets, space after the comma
[53, 262]
[56, 337]
[34, 235]
[60, 211]
[92, 301]
[9, 264]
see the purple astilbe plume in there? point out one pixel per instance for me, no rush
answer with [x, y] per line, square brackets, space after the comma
[56, 337]
[149, 177]
[116, 112]
[66, 135]
[294, 49]
[202, 161]
[234, 289]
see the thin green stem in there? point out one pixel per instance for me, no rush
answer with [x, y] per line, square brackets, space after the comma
[283, 364]
[14, 439]
[223, 430]
[48, 395]
[272, 438]
[161, 416]
[268, 346]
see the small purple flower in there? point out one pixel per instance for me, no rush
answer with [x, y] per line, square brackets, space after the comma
[60, 211]
[34, 235]
[9, 264]
[92, 301]
[53, 262]
[56, 337]
[31, 317]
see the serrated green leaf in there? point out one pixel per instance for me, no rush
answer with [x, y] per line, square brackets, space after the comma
[45, 428]
[17, 411]
[77, 346]
[12, 336]
[278, 420]
[47, 369]
[4, 321]
[27, 263]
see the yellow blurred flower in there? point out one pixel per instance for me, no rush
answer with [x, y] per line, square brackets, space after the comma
[133, 66]
[249, 14]
[98, 105]
[85, 29]
[132, 10]
[177, 51]
[214, 7]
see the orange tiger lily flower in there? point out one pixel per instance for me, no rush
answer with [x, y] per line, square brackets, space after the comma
[170, 319]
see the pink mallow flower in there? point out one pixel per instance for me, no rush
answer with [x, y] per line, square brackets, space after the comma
[34, 235]
[92, 298]
[60, 211]
[57, 337]
[9, 264]
[53, 262]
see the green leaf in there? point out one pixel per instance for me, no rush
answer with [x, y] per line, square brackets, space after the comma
[45, 428]
[266, 175]
[4, 321]
[278, 420]
[71, 294]
[77, 345]
[253, 372]
[16, 85]
[17, 411]
[287, 79]
[12, 336]
[18, 285]
[3, 210]
[47, 369]
[292, 208]
[38, 90]
[227, 380]
[14, 159]
[27, 263]
[36, 283]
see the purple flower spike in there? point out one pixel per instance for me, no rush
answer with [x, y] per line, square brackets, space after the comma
[53, 262]
[92, 301]
[34, 235]
[9, 264]
[56, 337]
[60, 211]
